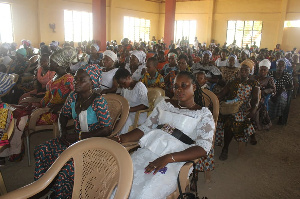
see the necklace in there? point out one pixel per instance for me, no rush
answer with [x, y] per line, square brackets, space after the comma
[85, 100]
[186, 107]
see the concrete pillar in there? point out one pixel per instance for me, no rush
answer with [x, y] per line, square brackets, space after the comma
[284, 5]
[170, 8]
[210, 21]
[99, 22]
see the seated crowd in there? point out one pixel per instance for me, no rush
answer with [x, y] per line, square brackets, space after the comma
[72, 81]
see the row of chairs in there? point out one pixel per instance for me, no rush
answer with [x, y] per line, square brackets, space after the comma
[108, 156]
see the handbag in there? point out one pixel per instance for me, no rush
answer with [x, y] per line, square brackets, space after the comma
[230, 108]
[188, 195]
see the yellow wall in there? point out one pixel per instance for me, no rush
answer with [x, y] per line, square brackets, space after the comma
[31, 18]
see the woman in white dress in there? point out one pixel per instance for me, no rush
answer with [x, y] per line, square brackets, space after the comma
[158, 161]
[136, 94]
[108, 83]
[137, 66]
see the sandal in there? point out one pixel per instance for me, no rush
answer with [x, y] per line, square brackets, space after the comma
[224, 155]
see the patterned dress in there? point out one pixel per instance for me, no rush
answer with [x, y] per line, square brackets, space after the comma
[277, 108]
[238, 123]
[45, 154]
[57, 93]
[157, 81]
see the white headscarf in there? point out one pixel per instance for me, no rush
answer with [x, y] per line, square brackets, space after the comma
[140, 55]
[96, 46]
[265, 62]
[110, 54]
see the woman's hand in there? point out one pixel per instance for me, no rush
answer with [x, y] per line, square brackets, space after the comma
[158, 164]
[69, 139]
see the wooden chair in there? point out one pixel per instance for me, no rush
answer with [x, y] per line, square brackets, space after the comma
[99, 165]
[153, 95]
[10, 131]
[118, 108]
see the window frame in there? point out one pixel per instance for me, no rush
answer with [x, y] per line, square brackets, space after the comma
[136, 28]
[89, 36]
[11, 40]
[191, 40]
[252, 30]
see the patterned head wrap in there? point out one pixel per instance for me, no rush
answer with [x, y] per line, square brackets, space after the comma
[140, 55]
[64, 57]
[172, 55]
[286, 62]
[250, 64]
[247, 52]
[207, 52]
[266, 63]
[22, 51]
[54, 43]
[234, 56]
[26, 42]
[110, 54]
[96, 46]
[95, 73]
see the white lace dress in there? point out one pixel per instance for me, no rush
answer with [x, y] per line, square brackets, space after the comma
[197, 124]
[136, 96]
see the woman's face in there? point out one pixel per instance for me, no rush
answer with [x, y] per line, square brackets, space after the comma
[150, 67]
[206, 58]
[263, 71]
[245, 71]
[93, 50]
[182, 64]
[231, 61]
[172, 61]
[184, 88]
[107, 62]
[134, 61]
[44, 62]
[280, 67]
[223, 55]
[82, 82]
[53, 65]
[125, 82]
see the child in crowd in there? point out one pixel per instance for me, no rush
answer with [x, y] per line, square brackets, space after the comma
[201, 79]
[152, 78]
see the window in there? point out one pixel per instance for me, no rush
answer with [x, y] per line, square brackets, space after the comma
[135, 29]
[6, 29]
[186, 29]
[244, 32]
[78, 26]
[292, 24]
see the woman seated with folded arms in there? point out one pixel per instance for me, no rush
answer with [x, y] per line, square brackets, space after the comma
[175, 132]
[136, 94]
[91, 119]
[109, 84]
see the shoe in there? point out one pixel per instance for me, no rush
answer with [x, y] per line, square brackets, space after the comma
[224, 155]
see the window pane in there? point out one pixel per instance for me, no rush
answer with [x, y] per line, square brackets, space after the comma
[246, 32]
[78, 26]
[230, 36]
[186, 30]
[257, 25]
[248, 25]
[6, 29]
[231, 24]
